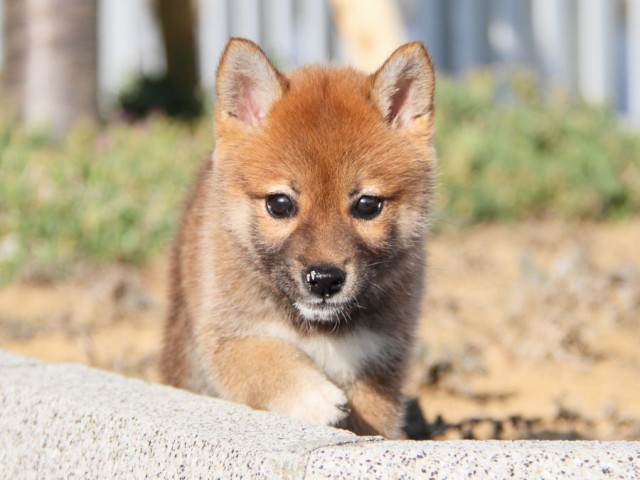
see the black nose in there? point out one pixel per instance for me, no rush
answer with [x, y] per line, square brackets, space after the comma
[324, 281]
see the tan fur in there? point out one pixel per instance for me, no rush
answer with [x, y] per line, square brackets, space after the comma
[241, 324]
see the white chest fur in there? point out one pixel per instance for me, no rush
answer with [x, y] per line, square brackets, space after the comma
[340, 357]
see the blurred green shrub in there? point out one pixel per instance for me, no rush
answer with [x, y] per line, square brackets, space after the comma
[529, 158]
[102, 195]
[113, 194]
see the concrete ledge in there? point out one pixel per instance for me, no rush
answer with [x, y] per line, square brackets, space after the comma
[68, 421]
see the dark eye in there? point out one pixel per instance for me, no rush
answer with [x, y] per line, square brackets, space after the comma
[280, 205]
[367, 207]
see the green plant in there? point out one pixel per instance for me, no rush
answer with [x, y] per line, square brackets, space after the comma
[529, 158]
[103, 195]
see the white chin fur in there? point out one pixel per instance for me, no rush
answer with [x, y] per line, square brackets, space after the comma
[323, 312]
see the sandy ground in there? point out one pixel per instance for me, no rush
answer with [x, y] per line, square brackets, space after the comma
[530, 330]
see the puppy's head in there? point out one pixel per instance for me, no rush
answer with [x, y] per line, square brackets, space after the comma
[326, 173]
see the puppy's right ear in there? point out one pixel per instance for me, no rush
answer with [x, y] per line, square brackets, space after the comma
[247, 84]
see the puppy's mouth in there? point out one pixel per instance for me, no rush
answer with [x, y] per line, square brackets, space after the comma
[323, 310]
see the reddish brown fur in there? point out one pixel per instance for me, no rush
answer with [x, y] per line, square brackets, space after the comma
[233, 329]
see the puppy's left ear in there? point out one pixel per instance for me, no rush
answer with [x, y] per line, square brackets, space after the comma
[404, 86]
[247, 84]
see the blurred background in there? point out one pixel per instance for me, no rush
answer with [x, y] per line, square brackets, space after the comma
[589, 48]
[532, 311]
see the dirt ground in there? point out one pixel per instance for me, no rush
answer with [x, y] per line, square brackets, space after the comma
[530, 330]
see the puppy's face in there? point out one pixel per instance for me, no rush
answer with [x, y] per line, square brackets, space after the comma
[326, 174]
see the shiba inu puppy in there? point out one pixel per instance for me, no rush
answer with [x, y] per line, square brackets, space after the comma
[298, 269]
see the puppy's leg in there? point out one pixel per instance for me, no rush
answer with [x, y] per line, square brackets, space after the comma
[271, 374]
[376, 409]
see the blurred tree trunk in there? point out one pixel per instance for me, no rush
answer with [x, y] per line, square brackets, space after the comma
[178, 25]
[60, 84]
[370, 29]
[13, 29]
[176, 92]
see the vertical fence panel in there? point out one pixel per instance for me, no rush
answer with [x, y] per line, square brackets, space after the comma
[152, 61]
[118, 44]
[129, 44]
[432, 29]
[469, 27]
[554, 38]
[278, 31]
[596, 52]
[633, 60]
[338, 51]
[244, 19]
[509, 31]
[212, 37]
[313, 31]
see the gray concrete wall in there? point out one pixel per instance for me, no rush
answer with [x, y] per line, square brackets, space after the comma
[69, 421]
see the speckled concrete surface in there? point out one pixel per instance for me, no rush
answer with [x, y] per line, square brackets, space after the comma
[68, 421]
[479, 459]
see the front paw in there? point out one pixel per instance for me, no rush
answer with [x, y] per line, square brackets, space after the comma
[314, 400]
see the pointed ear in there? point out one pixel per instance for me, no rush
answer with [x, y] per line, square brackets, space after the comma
[403, 87]
[247, 84]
